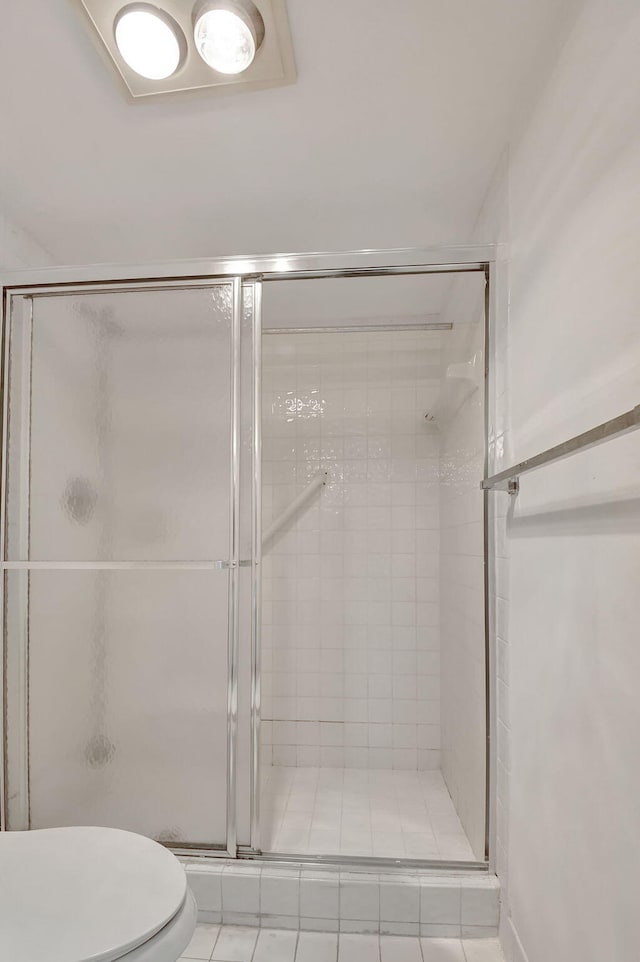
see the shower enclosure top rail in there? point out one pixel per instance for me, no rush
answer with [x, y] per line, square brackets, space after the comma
[509, 479]
[267, 266]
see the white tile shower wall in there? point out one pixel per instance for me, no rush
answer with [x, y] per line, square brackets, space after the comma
[351, 672]
[463, 679]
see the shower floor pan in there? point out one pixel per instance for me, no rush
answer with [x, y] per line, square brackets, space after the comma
[357, 812]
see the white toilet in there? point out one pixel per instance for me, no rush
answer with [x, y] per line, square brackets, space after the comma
[91, 895]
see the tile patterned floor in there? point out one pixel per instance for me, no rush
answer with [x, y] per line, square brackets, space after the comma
[226, 943]
[343, 811]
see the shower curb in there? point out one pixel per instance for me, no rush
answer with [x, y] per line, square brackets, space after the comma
[330, 899]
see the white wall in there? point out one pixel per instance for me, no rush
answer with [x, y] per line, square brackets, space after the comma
[351, 633]
[567, 621]
[18, 249]
[463, 670]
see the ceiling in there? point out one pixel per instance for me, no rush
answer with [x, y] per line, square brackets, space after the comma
[387, 139]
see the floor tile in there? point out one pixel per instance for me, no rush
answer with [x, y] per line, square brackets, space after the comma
[317, 947]
[442, 950]
[394, 948]
[235, 944]
[421, 845]
[482, 950]
[275, 945]
[455, 846]
[359, 948]
[202, 943]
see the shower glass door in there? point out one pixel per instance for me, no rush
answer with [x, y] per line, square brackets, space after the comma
[120, 556]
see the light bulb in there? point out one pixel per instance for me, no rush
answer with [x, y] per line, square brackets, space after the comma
[148, 44]
[225, 41]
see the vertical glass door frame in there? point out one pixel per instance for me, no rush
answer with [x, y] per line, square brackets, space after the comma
[242, 270]
[256, 567]
[234, 559]
[10, 301]
[24, 543]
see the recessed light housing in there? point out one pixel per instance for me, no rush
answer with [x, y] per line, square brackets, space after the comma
[149, 41]
[228, 34]
[172, 46]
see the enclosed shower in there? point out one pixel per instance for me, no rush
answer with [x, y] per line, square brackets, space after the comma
[373, 585]
[244, 579]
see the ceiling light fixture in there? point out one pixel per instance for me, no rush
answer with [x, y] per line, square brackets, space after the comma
[149, 41]
[165, 47]
[228, 34]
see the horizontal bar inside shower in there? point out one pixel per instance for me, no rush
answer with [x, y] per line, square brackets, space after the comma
[359, 328]
[317, 482]
[508, 480]
[216, 565]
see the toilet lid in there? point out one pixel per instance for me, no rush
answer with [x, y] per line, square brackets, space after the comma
[83, 894]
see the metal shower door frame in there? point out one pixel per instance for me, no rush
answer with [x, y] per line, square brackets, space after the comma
[255, 270]
[10, 295]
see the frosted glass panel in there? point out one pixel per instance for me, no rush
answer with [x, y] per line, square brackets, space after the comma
[119, 426]
[126, 680]
[118, 499]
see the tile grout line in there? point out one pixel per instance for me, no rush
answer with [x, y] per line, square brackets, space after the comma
[338, 935]
[213, 948]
